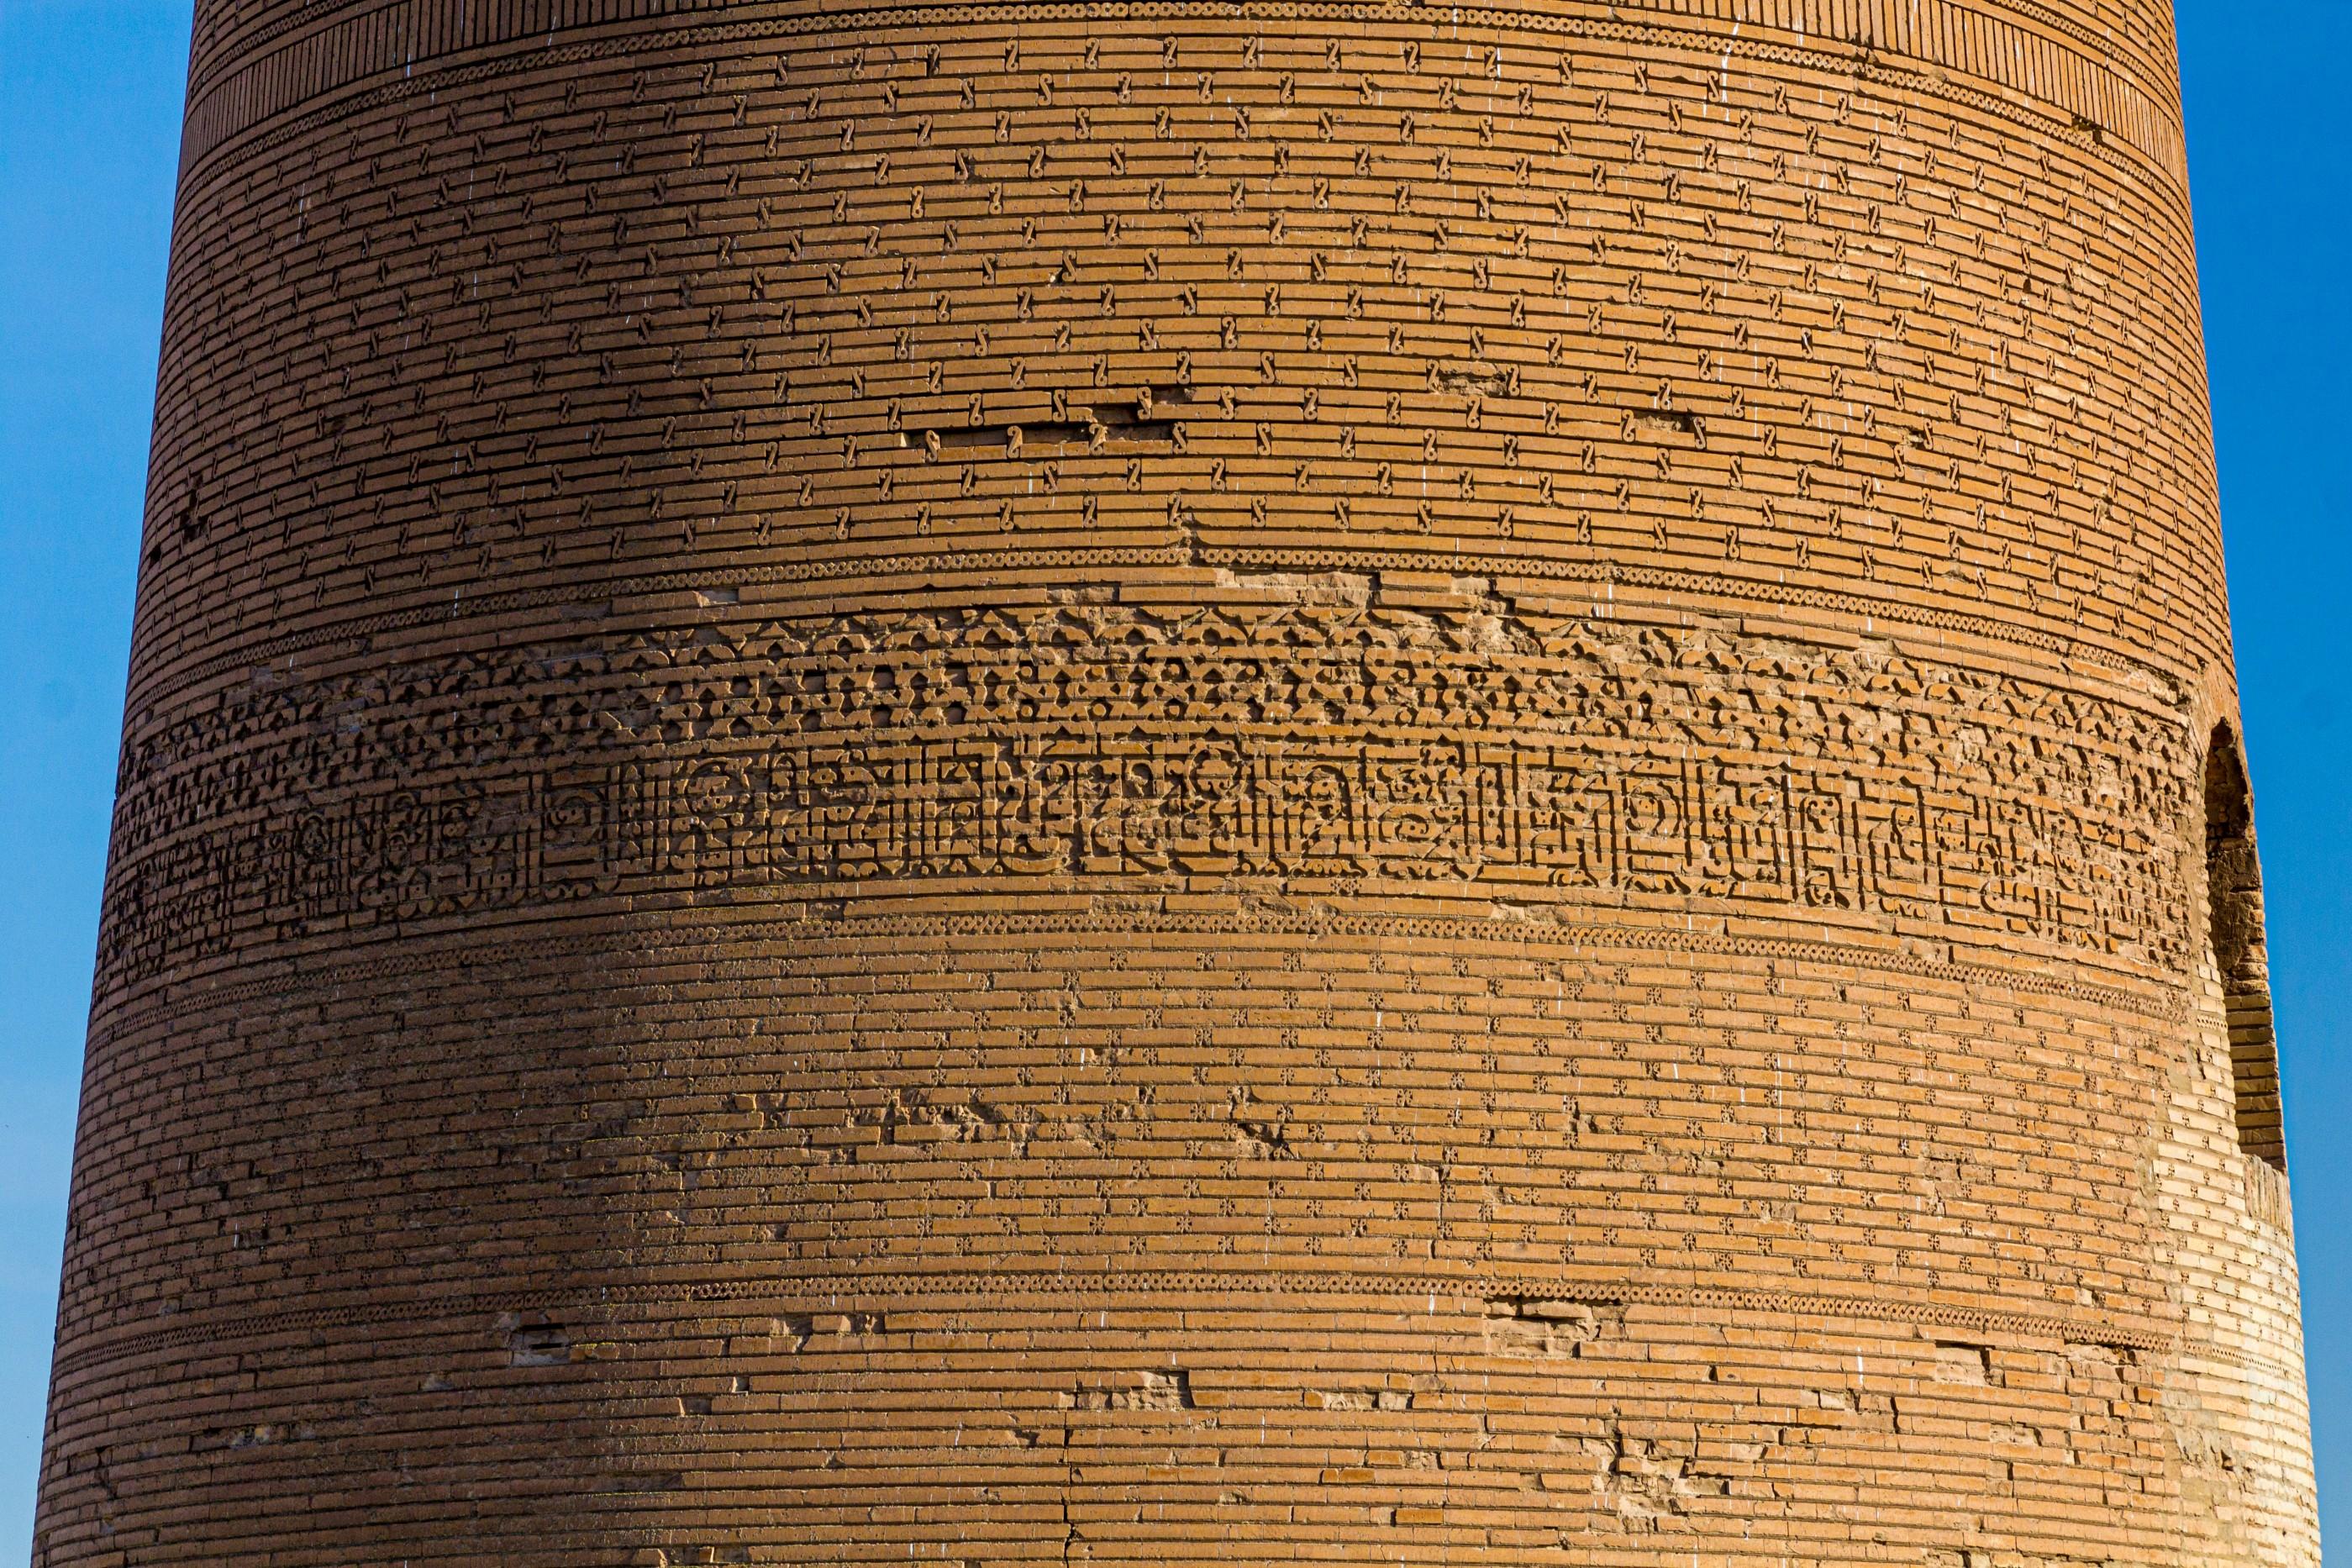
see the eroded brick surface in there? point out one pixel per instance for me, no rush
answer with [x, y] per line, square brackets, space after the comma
[1168, 783]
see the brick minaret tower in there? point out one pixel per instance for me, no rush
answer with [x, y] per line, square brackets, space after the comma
[1178, 782]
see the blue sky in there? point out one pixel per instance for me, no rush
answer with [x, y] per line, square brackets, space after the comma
[90, 111]
[2274, 198]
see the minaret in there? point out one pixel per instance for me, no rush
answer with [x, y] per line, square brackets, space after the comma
[1173, 783]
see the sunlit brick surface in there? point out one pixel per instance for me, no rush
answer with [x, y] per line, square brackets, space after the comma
[1180, 782]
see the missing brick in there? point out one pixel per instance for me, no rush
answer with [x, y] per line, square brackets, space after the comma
[536, 1340]
[1111, 427]
[1662, 422]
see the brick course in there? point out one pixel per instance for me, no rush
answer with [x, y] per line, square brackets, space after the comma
[1169, 782]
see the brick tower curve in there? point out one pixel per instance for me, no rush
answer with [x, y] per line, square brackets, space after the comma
[1170, 782]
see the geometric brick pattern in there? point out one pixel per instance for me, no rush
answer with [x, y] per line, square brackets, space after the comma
[1180, 782]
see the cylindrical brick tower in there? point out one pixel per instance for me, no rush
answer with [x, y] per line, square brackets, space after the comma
[1181, 781]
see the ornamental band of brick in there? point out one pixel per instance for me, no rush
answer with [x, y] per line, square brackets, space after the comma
[1149, 781]
[1321, 752]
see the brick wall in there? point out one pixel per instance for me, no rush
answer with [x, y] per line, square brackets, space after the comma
[1177, 783]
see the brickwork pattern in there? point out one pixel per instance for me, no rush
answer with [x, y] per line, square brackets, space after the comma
[1165, 782]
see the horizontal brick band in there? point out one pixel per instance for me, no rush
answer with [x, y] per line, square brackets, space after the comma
[879, 574]
[1486, 755]
[2044, 65]
[1201, 1288]
[205, 987]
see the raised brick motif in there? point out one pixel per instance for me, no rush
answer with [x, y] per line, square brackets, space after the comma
[1176, 781]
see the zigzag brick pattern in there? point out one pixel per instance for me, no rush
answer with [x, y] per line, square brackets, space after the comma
[1180, 782]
